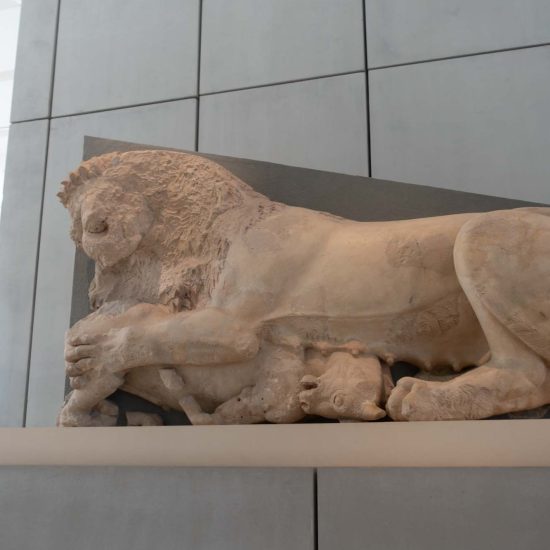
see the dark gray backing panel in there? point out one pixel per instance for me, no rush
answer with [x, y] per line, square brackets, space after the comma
[354, 197]
[433, 509]
[104, 508]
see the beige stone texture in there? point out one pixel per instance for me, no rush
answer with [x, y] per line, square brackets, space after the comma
[468, 443]
[212, 299]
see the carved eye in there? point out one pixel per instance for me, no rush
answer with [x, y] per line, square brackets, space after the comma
[338, 400]
[96, 225]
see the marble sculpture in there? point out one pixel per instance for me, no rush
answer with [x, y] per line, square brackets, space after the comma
[210, 298]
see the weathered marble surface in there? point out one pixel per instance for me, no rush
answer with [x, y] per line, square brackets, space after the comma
[213, 299]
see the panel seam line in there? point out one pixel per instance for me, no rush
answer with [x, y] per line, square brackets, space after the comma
[459, 56]
[40, 220]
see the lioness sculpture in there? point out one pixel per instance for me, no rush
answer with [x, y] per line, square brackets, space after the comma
[213, 299]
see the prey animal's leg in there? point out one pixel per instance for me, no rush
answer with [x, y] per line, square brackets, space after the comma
[273, 398]
[501, 260]
[242, 409]
[136, 418]
[189, 405]
[87, 407]
[278, 386]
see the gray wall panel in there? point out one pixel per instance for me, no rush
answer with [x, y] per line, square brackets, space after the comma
[35, 58]
[125, 52]
[19, 227]
[402, 31]
[475, 124]
[433, 509]
[252, 42]
[315, 124]
[166, 508]
[169, 124]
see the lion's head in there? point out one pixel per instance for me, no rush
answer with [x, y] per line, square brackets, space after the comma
[157, 223]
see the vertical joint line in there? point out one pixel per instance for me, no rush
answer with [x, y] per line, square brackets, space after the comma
[40, 218]
[198, 105]
[35, 282]
[365, 49]
[315, 512]
[54, 58]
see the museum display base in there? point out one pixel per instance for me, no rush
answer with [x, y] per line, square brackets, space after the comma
[491, 443]
[401, 486]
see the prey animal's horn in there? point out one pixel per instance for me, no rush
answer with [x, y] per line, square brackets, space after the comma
[371, 411]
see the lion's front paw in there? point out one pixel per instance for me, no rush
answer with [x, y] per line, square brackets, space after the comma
[414, 399]
[113, 351]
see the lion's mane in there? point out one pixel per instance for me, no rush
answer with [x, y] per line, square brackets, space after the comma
[198, 208]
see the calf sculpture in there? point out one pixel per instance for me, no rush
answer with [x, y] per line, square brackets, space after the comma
[212, 299]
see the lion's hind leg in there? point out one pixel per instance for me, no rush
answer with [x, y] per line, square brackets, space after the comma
[502, 261]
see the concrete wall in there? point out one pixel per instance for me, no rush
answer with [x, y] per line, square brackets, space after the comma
[447, 93]
[129, 508]
[107, 508]
[431, 509]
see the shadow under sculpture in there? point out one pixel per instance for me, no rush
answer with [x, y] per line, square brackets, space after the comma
[212, 299]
